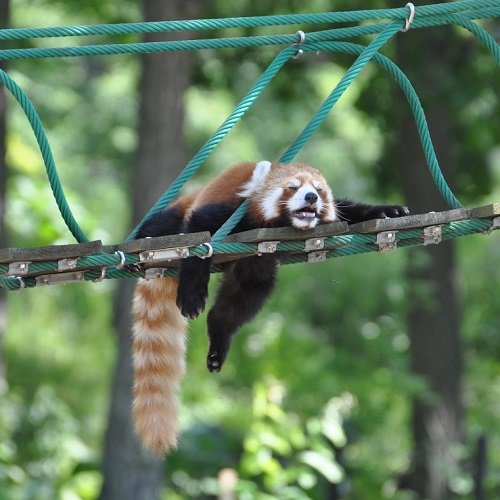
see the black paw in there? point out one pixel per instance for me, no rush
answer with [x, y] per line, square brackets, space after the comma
[192, 293]
[216, 356]
[386, 212]
[214, 363]
[191, 302]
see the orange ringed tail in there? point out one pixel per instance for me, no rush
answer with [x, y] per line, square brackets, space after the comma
[159, 348]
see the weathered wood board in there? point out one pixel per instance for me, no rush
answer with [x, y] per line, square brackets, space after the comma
[425, 220]
[161, 242]
[49, 253]
[286, 233]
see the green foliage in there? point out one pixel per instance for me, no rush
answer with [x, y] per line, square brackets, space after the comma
[41, 449]
[283, 456]
[287, 457]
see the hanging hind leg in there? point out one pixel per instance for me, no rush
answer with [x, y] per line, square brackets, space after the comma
[246, 285]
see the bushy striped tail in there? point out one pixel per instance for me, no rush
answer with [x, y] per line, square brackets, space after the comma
[159, 350]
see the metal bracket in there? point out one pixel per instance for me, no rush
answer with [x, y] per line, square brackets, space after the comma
[267, 246]
[16, 268]
[59, 279]
[495, 223]
[313, 244]
[386, 241]
[67, 264]
[164, 254]
[432, 235]
[153, 273]
[314, 257]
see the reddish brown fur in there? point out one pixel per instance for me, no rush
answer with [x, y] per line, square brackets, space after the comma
[225, 186]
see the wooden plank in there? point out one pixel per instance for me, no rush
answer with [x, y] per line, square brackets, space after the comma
[286, 233]
[424, 220]
[162, 242]
[485, 211]
[410, 221]
[49, 253]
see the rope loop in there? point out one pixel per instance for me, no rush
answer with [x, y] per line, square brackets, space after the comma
[210, 251]
[302, 40]
[409, 20]
[22, 284]
[102, 275]
[121, 264]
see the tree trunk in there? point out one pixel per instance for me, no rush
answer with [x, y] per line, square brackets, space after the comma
[434, 313]
[4, 22]
[129, 471]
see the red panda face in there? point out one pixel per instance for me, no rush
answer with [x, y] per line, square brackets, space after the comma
[303, 202]
[297, 195]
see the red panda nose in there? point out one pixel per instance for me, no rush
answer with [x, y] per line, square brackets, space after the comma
[311, 198]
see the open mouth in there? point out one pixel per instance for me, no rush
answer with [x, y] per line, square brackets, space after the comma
[305, 213]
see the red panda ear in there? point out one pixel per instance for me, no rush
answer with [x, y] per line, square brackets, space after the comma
[260, 172]
[261, 169]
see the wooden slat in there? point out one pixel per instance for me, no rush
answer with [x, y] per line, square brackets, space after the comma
[49, 253]
[421, 220]
[163, 242]
[424, 220]
[486, 211]
[286, 233]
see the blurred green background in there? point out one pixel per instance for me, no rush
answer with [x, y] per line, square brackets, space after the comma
[315, 399]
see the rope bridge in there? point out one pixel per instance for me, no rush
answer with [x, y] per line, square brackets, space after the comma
[156, 257]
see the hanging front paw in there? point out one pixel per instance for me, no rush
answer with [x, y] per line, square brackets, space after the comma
[386, 212]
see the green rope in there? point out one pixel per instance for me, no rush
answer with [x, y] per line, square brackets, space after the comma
[346, 80]
[224, 43]
[46, 152]
[400, 13]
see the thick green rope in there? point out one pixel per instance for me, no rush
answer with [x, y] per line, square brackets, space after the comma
[46, 152]
[236, 42]
[400, 13]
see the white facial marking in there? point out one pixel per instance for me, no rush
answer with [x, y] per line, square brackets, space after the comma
[331, 214]
[260, 171]
[270, 204]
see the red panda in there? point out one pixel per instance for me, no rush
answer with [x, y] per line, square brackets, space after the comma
[294, 195]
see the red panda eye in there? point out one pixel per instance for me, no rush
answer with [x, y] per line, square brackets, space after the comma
[293, 188]
[319, 190]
